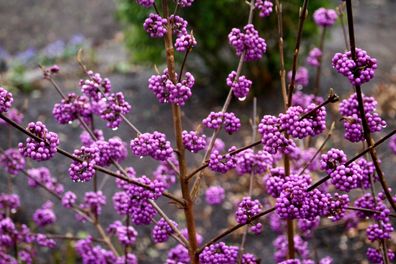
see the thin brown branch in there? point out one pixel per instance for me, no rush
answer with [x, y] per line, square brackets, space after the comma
[302, 16]
[282, 71]
[178, 128]
[234, 228]
[361, 154]
[179, 237]
[319, 150]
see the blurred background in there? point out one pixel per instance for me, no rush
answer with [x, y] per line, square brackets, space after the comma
[46, 32]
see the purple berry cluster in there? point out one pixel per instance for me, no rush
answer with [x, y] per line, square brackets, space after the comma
[325, 17]
[153, 144]
[138, 193]
[346, 178]
[379, 231]
[214, 195]
[168, 92]
[352, 119]
[368, 173]
[392, 144]
[193, 141]
[247, 42]
[165, 172]
[222, 163]
[302, 76]
[6, 100]
[155, 26]
[302, 157]
[95, 87]
[247, 209]
[185, 42]
[264, 6]
[12, 161]
[250, 162]
[229, 121]
[10, 202]
[85, 170]
[304, 100]
[134, 200]
[14, 115]
[146, 3]
[126, 234]
[179, 25]
[39, 150]
[178, 255]
[272, 139]
[185, 3]
[69, 199]
[375, 256]
[162, 231]
[296, 127]
[95, 254]
[114, 150]
[314, 57]
[45, 215]
[225, 254]
[294, 202]
[281, 249]
[94, 202]
[220, 253]
[70, 108]
[86, 139]
[358, 71]
[214, 120]
[239, 87]
[42, 177]
[332, 159]
[114, 108]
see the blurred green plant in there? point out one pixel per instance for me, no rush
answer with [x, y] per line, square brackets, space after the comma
[211, 22]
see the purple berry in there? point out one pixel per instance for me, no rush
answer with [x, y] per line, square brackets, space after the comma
[264, 6]
[12, 161]
[358, 72]
[325, 17]
[193, 142]
[155, 25]
[214, 195]
[6, 100]
[314, 57]
[39, 150]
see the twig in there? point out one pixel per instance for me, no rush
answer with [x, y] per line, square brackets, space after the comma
[302, 16]
[177, 122]
[251, 177]
[329, 134]
[379, 142]
[179, 237]
[234, 228]
[282, 71]
[340, 12]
